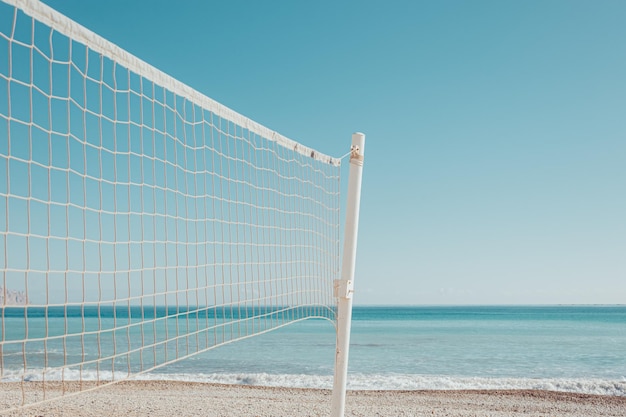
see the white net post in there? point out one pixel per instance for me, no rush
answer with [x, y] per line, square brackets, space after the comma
[344, 287]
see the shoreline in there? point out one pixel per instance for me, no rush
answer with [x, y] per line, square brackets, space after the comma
[177, 398]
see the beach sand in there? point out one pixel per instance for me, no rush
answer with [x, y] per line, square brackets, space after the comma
[169, 399]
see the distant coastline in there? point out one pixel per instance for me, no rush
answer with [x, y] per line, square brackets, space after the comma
[13, 298]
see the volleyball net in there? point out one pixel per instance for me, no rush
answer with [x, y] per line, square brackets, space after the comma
[141, 222]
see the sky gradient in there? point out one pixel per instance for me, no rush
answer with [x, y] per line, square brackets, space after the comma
[495, 169]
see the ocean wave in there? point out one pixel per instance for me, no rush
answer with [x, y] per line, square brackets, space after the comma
[355, 381]
[429, 382]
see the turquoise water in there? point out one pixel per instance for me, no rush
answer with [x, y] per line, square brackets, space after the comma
[581, 349]
[568, 348]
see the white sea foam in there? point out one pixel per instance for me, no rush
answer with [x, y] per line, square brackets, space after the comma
[419, 382]
[355, 381]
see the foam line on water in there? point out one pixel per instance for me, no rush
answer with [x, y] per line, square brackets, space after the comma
[355, 381]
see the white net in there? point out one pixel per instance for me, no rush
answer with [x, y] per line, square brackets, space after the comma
[141, 222]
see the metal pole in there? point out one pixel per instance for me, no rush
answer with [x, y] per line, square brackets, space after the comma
[344, 286]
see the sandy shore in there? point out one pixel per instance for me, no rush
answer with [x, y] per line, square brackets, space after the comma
[169, 399]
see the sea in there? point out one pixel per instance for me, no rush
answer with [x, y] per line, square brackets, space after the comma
[578, 349]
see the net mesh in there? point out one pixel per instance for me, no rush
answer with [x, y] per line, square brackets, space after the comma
[141, 222]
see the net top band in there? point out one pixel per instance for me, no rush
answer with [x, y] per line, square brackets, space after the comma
[97, 43]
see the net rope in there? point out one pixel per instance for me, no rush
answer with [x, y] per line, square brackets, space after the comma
[140, 221]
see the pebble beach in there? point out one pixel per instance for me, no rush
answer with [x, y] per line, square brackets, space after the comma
[167, 399]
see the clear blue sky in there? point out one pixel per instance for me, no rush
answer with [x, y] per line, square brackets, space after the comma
[496, 130]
